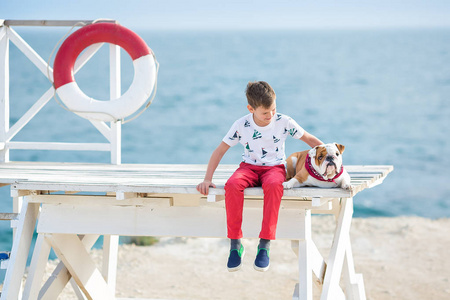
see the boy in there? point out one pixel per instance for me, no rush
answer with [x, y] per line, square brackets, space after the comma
[262, 133]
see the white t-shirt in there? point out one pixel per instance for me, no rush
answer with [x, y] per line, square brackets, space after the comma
[263, 146]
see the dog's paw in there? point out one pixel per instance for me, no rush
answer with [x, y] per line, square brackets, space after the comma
[286, 185]
[347, 186]
[290, 184]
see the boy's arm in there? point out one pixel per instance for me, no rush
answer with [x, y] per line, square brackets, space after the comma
[214, 161]
[311, 140]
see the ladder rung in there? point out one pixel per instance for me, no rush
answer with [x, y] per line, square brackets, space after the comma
[8, 216]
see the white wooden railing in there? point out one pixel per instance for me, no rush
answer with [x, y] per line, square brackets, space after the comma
[112, 131]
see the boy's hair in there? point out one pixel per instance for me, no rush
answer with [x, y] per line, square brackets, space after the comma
[260, 93]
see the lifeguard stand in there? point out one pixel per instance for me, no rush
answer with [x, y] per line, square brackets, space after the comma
[149, 200]
[110, 130]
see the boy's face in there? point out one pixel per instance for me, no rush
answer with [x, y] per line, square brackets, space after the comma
[263, 116]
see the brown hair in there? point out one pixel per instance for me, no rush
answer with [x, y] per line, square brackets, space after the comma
[260, 93]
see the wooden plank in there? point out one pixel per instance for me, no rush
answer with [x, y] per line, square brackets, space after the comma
[51, 22]
[157, 221]
[110, 255]
[29, 52]
[99, 200]
[37, 268]
[2, 30]
[337, 252]
[304, 257]
[61, 276]
[354, 283]
[134, 220]
[169, 179]
[20, 250]
[115, 93]
[4, 92]
[160, 169]
[59, 146]
[75, 257]
[26, 117]
[8, 216]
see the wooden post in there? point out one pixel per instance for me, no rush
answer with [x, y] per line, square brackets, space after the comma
[337, 253]
[354, 283]
[37, 268]
[304, 257]
[61, 276]
[111, 242]
[71, 251]
[115, 92]
[4, 93]
[20, 250]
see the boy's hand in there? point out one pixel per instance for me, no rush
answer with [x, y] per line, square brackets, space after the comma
[203, 187]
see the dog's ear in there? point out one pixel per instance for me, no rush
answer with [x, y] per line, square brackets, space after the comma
[340, 147]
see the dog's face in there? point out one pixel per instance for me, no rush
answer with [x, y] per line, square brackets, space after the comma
[327, 159]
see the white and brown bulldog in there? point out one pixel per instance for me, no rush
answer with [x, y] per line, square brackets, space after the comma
[321, 166]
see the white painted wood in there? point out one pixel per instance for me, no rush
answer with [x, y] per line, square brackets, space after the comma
[102, 128]
[29, 52]
[316, 201]
[59, 146]
[61, 276]
[110, 255]
[304, 254]
[4, 264]
[99, 200]
[178, 210]
[78, 293]
[19, 193]
[156, 221]
[317, 262]
[19, 252]
[69, 23]
[72, 252]
[354, 283]
[37, 268]
[9, 216]
[122, 195]
[337, 252]
[115, 93]
[134, 220]
[17, 208]
[4, 91]
[2, 30]
[30, 114]
[160, 179]
[116, 143]
[55, 284]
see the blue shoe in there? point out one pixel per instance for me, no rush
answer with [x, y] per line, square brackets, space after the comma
[262, 261]
[235, 259]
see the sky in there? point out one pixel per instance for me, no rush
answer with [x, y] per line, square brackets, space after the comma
[232, 14]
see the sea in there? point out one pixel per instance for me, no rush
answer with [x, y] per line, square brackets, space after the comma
[384, 94]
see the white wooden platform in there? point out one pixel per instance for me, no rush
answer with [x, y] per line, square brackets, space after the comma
[76, 203]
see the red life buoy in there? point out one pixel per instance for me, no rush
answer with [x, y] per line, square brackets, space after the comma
[115, 109]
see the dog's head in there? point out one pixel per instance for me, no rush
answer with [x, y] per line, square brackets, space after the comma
[327, 159]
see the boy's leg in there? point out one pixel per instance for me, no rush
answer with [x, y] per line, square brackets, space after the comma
[272, 181]
[242, 178]
[272, 184]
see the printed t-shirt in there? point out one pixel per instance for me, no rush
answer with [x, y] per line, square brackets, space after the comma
[263, 146]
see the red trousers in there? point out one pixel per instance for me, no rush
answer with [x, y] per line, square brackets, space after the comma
[247, 175]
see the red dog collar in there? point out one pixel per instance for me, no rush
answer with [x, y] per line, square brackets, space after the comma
[316, 175]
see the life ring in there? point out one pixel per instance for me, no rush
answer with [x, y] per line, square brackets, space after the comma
[116, 109]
